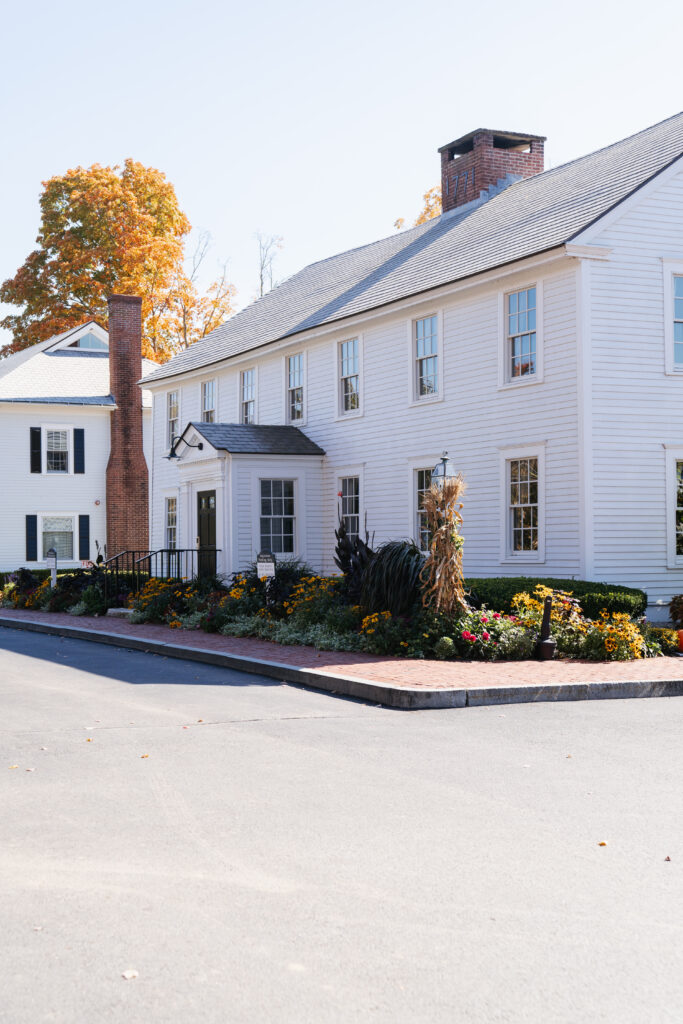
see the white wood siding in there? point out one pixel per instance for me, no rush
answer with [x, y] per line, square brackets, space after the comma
[394, 436]
[637, 408]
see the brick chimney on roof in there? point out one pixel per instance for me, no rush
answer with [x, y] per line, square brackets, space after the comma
[482, 159]
[127, 478]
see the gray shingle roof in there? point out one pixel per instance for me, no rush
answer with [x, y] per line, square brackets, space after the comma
[256, 439]
[528, 217]
[36, 375]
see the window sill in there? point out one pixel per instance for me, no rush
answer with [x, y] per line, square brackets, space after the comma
[512, 385]
[674, 371]
[430, 400]
[525, 559]
[342, 417]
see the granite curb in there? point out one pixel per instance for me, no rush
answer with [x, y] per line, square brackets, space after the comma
[404, 698]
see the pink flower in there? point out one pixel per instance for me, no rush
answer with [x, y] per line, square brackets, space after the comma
[486, 636]
[484, 619]
[496, 615]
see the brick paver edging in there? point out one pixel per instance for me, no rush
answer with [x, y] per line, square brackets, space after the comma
[404, 697]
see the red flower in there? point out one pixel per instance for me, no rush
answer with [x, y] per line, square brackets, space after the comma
[484, 619]
[496, 615]
[486, 636]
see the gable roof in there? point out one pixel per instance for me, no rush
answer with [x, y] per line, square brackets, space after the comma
[256, 439]
[528, 217]
[62, 377]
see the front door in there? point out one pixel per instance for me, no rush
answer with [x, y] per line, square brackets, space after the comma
[206, 531]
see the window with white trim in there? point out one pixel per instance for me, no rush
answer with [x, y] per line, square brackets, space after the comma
[57, 451]
[520, 333]
[426, 349]
[349, 376]
[349, 493]
[678, 319]
[523, 520]
[423, 481]
[277, 520]
[248, 396]
[172, 417]
[58, 533]
[171, 520]
[208, 401]
[295, 387]
[90, 342]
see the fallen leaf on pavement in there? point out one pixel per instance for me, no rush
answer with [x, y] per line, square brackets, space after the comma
[14, 766]
[129, 975]
[43, 748]
[144, 755]
[89, 739]
[30, 769]
[602, 844]
[667, 858]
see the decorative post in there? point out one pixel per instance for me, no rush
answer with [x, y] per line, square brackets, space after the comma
[51, 555]
[545, 648]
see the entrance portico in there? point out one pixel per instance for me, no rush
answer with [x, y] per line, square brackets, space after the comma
[243, 488]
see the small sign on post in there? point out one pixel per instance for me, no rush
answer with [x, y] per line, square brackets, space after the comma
[265, 565]
[51, 557]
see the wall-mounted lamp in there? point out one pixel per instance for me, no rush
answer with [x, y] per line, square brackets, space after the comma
[176, 441]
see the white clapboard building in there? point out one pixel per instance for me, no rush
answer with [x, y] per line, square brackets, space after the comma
[56, 408]
[534, 330]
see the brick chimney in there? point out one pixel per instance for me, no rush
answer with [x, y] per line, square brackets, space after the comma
[127, 484]
[478, 161]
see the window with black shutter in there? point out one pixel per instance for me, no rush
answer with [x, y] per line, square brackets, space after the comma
[31, 538]
[36, 450]
[79, 450]
[84, 538]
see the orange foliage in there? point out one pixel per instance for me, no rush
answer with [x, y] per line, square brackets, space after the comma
[431, 208]
[104, 230]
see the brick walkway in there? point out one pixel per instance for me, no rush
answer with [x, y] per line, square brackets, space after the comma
[393, 671]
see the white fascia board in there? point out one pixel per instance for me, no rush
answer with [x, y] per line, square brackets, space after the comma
[585, 236]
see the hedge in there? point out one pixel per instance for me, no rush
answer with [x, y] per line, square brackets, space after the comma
[496, 592]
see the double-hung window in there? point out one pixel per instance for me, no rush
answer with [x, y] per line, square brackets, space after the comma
[523, 520]
[57, 451]
[209, 401]
[277, 518]
[349, 376]
[58, 533]
[248, 396]
[171, 523]
[426, 348]
[423, 481]
[678, 319]
[172, 417]
[295, 387]
[520, 320]
[350, 505]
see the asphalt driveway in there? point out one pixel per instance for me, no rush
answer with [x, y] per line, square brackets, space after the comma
[259, 853]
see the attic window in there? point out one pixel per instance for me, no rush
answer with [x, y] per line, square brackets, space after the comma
[90, 342]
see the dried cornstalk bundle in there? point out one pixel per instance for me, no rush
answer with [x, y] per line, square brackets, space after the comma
[443, 587]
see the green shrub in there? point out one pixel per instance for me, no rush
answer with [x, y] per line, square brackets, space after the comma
[666, 638]
[444, 648]
[498, 592]
[391, 581]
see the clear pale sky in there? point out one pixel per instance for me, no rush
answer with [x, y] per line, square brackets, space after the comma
[315, 121]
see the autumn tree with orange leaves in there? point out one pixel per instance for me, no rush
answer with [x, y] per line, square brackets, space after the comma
[431, 207]
[113, 229]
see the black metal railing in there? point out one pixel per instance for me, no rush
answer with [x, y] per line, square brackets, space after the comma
[127, 572]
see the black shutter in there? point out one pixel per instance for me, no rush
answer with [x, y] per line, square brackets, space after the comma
[31, 538]
[36, 451]
[79, 450]
[84, 538]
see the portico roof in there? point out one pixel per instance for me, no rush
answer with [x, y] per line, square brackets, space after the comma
[256, 439]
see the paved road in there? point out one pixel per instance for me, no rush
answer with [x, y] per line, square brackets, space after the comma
[259, 853]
